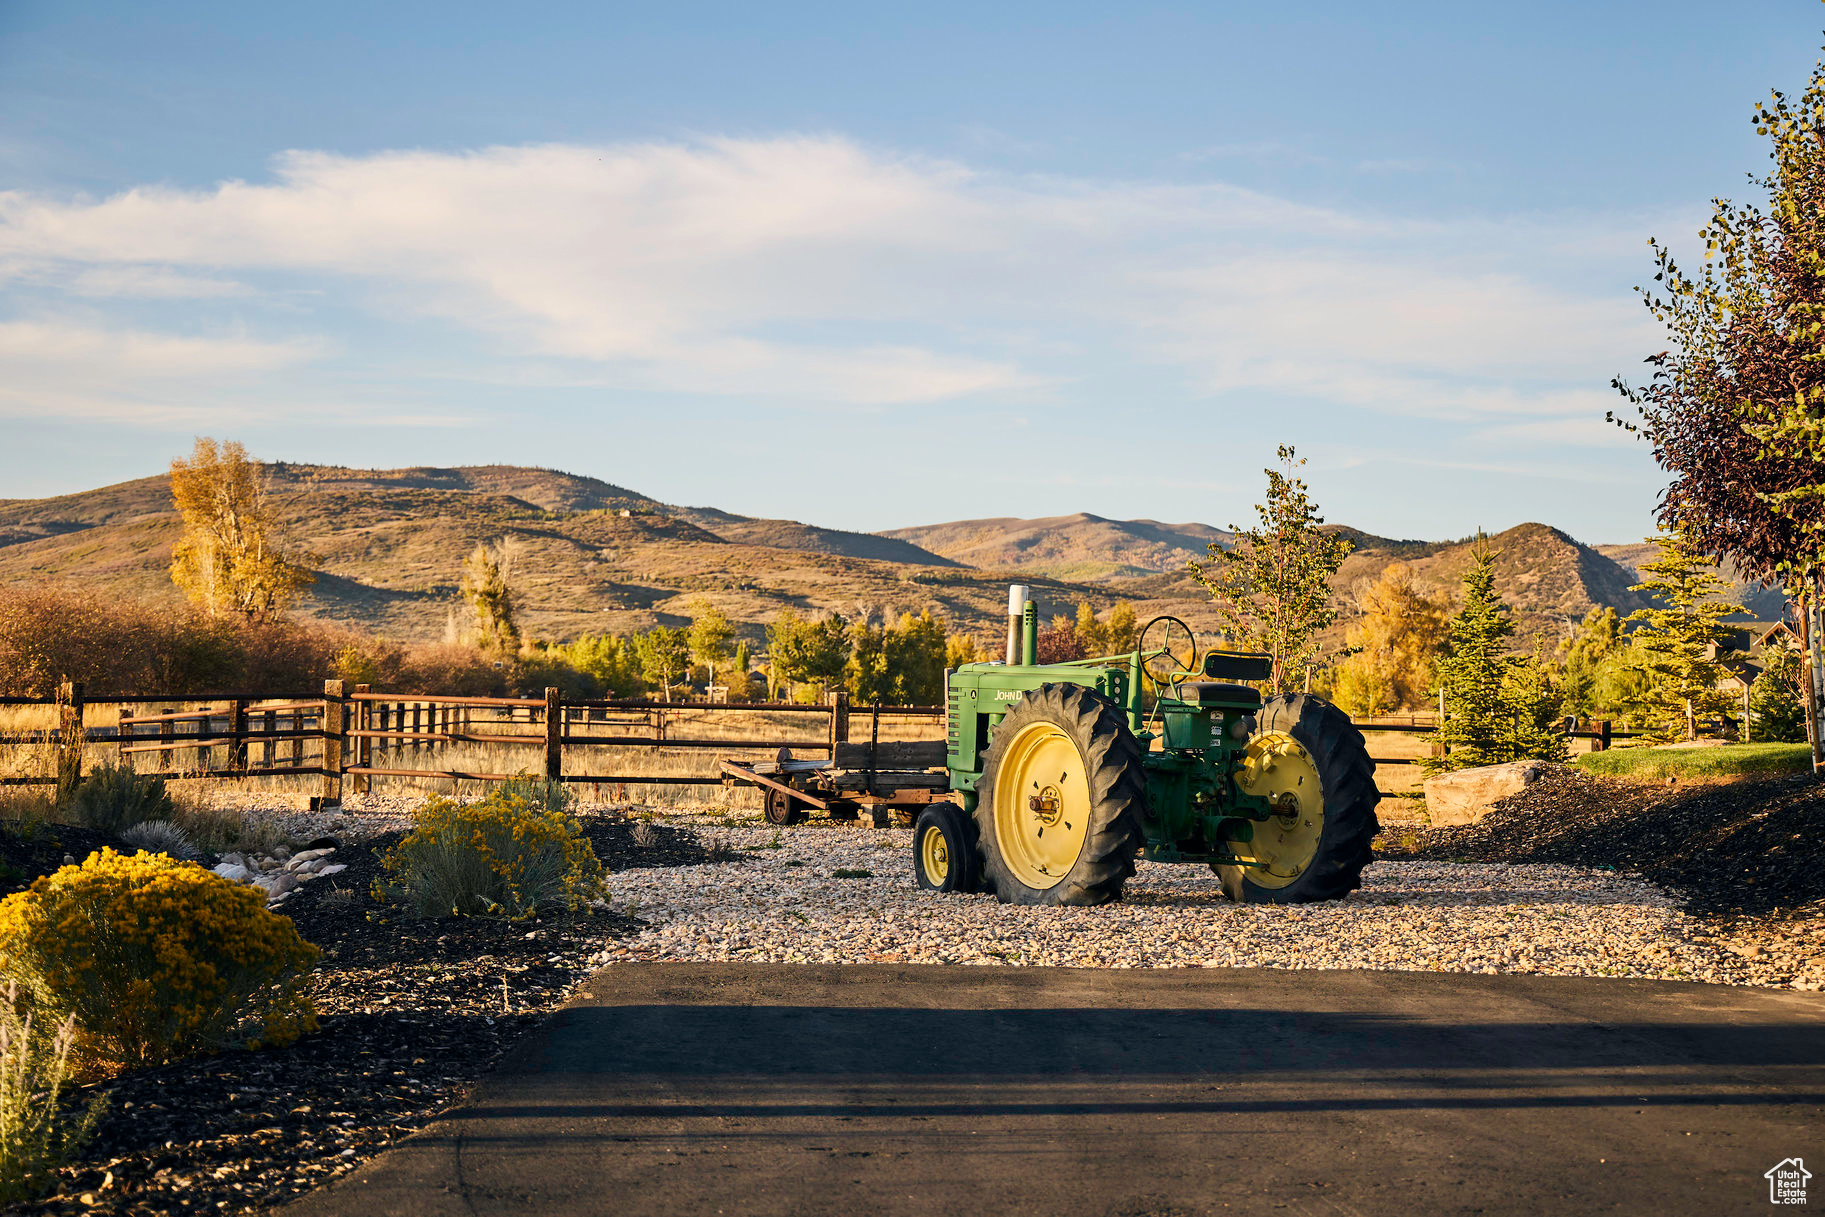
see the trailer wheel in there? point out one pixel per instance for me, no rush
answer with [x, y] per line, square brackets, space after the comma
[1307, 756]
[783, 809]
[1061, 801]
[944, 850]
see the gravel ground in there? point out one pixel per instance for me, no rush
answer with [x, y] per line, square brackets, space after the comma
[790, 905]
[1557, 883]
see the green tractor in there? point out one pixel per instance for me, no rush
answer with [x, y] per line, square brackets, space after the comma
[1067, 772]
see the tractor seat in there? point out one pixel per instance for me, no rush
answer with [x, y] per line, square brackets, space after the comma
[1217, 693]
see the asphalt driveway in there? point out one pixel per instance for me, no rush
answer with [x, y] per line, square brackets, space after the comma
[782, 1089]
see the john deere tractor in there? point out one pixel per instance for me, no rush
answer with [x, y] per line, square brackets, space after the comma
[1065, 773]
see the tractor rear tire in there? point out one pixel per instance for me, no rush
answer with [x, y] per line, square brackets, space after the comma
[1064, 760]
[944, 850]
[1331, 745]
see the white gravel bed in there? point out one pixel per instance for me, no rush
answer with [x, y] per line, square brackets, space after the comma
[784, 904]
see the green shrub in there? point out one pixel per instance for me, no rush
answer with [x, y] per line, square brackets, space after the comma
[502, 857]
[155, 959]
[113, 800]
[36, 1135]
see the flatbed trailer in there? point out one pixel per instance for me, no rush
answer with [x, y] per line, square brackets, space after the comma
[882, 778]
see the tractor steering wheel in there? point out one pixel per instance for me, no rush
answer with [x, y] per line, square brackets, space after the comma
[1160, 659]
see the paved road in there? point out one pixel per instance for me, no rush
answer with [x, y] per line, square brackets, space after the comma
[760, 1089]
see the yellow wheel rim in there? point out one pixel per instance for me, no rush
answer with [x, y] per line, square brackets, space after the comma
[1279, 768]
[934, 855]
[1042, 805]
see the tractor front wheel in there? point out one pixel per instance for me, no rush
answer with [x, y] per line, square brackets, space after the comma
[1061, 801]
[944, 850]
[1309, 760]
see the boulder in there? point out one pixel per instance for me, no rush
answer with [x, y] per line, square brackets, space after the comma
[276, 884]
[1466, 796]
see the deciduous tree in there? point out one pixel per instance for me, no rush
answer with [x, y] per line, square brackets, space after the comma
[800, 650]
[915, 656]
[710, 635]
[664, 654]
[1121, 631]
[1735, 408]
[1395, 645]
[229, 559]
[1599, 672]
[1273, 586]
[484, 585]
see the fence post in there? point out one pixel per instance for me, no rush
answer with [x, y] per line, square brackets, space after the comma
[167, 734]
[839, 719]
[335, 738]
[1603, 735]
[69, 738]
[554, 734]
[364, 747]
[237, 726]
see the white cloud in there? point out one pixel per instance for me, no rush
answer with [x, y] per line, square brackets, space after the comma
[152, 283]
[118, 354]
[70, 370]
[817, 269]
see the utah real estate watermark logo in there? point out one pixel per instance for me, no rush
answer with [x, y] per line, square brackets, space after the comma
[1787, 1182]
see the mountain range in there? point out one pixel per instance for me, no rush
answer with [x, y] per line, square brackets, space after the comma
[588, 556]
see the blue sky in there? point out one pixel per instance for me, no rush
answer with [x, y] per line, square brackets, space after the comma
[871, 266]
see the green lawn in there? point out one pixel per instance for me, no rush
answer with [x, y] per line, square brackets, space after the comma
[1731, 760]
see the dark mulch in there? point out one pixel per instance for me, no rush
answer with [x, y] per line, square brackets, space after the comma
[1749, 847]
[33, 849]
[412, 1013]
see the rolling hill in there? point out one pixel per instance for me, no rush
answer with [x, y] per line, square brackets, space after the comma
[1082, 547]
[589, 556]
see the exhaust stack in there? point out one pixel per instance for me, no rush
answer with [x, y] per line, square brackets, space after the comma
[1017, 607]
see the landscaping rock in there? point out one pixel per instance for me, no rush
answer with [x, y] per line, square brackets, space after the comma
[1466, 796]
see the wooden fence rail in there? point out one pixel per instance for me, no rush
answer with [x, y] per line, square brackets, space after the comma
[272, 736]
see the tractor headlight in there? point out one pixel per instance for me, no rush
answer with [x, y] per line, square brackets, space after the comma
[1243, 727]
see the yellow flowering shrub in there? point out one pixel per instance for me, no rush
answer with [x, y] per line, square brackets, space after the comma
[504, 856]
[155, 959]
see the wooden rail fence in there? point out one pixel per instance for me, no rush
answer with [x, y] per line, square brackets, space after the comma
[356, 734]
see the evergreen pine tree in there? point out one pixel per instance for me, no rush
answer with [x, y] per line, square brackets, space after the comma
[1675, 639]
[1498, 707]
[1776, 712]
[1471, 672]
